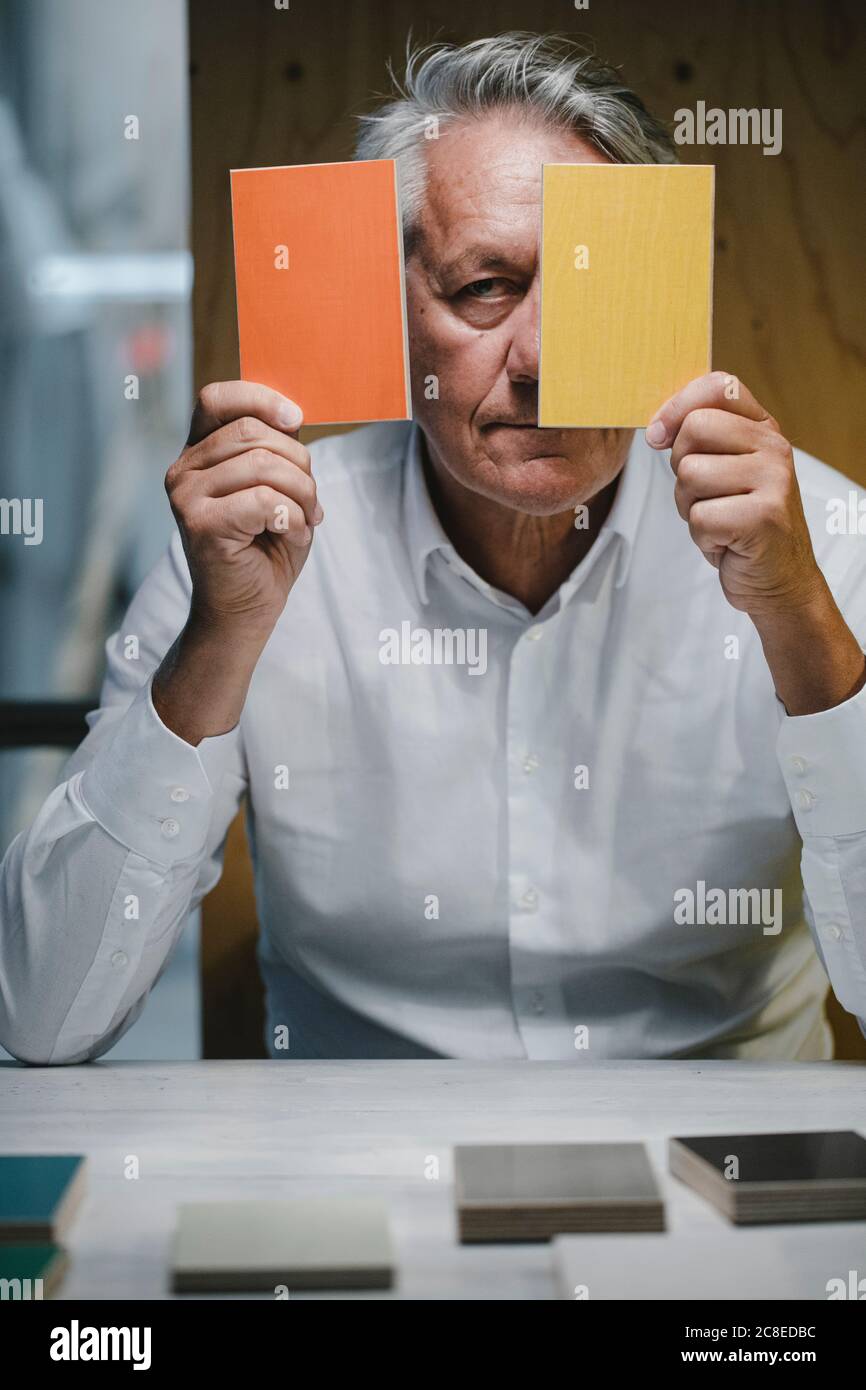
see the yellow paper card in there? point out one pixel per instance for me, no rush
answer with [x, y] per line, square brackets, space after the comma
[626, 290]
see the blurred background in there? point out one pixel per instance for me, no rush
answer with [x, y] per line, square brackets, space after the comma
[119, 122]
[95, 376]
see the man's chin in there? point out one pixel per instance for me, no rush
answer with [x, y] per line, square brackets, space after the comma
[540, 483]
[511, 448]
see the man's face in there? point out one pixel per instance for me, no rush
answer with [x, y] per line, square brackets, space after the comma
[473, 302]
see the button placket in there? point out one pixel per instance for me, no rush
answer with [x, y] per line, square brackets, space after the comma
[527, 925]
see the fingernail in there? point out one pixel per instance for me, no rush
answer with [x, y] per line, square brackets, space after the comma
[307, 535]
[656, 434]
[318, 514]
[290, 416]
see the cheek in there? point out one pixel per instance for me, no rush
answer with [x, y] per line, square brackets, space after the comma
[465, 361]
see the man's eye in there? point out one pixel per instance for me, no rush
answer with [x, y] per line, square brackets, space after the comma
[481, 289]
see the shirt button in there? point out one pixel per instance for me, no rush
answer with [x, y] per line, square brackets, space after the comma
[530, 898]
[534, 634]
[536, 1002]
[833, 932]
[798, 764]
[170, 828]
[530, 763]
[179, 794]
[119, 959]
[805, 800]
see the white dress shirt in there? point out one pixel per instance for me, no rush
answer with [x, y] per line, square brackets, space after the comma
[492, 858]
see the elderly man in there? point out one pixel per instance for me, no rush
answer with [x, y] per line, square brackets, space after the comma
[593, 848]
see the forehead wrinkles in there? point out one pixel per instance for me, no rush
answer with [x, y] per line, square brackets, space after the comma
[490, 204]
[484, 178]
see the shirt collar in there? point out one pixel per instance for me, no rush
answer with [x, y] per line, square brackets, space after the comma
[425, 534]
[423, 529]
[624, 517]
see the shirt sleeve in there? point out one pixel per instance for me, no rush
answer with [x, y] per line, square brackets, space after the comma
[95, 894]
[823, 762]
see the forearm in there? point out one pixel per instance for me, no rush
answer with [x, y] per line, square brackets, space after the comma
[95, 892]
[814, 658]
[45, 956]
[201, 685]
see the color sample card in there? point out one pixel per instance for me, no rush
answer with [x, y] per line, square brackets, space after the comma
[38, 1269]
[813, 1176]
[39, 1195]
[707, 1259]
[626, 290]
[320, 288]
[317, 1243]
[536, 1191]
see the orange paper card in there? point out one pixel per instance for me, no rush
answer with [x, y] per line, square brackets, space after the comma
[319, 276]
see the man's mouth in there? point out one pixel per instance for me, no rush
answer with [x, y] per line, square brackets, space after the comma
[522, 426]
[512, 425]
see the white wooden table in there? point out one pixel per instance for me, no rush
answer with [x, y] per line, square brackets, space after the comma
[211, 1130]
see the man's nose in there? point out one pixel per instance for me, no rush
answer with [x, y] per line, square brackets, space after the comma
[521, 364]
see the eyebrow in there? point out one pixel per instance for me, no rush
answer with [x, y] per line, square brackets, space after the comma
[479, 256]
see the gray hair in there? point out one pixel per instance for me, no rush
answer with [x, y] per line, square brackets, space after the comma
[547, 76]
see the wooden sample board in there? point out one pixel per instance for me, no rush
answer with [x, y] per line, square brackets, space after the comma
[802, 1176]
[513, 1192]
[306, 1244]
[39, 1196]
[626, 290]
[711, 1262]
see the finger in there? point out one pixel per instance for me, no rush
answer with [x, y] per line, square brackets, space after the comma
[261, 466]
[241, 435]
[223, 401]
[711, 475]
[708, 431]
[719, 390]
[255, 510]
[718, 522]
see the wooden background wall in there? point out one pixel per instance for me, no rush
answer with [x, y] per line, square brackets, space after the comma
[273, 86]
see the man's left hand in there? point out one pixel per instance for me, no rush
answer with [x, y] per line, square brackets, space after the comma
[737, 489]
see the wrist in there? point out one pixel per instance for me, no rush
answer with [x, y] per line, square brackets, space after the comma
[808, 615]
[221, 632]
[200, 688]
[814, 658]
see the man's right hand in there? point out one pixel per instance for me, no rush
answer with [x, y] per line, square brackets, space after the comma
[244, 499]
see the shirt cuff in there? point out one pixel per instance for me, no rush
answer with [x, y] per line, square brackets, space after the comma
[823, 761]
[151, 790]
